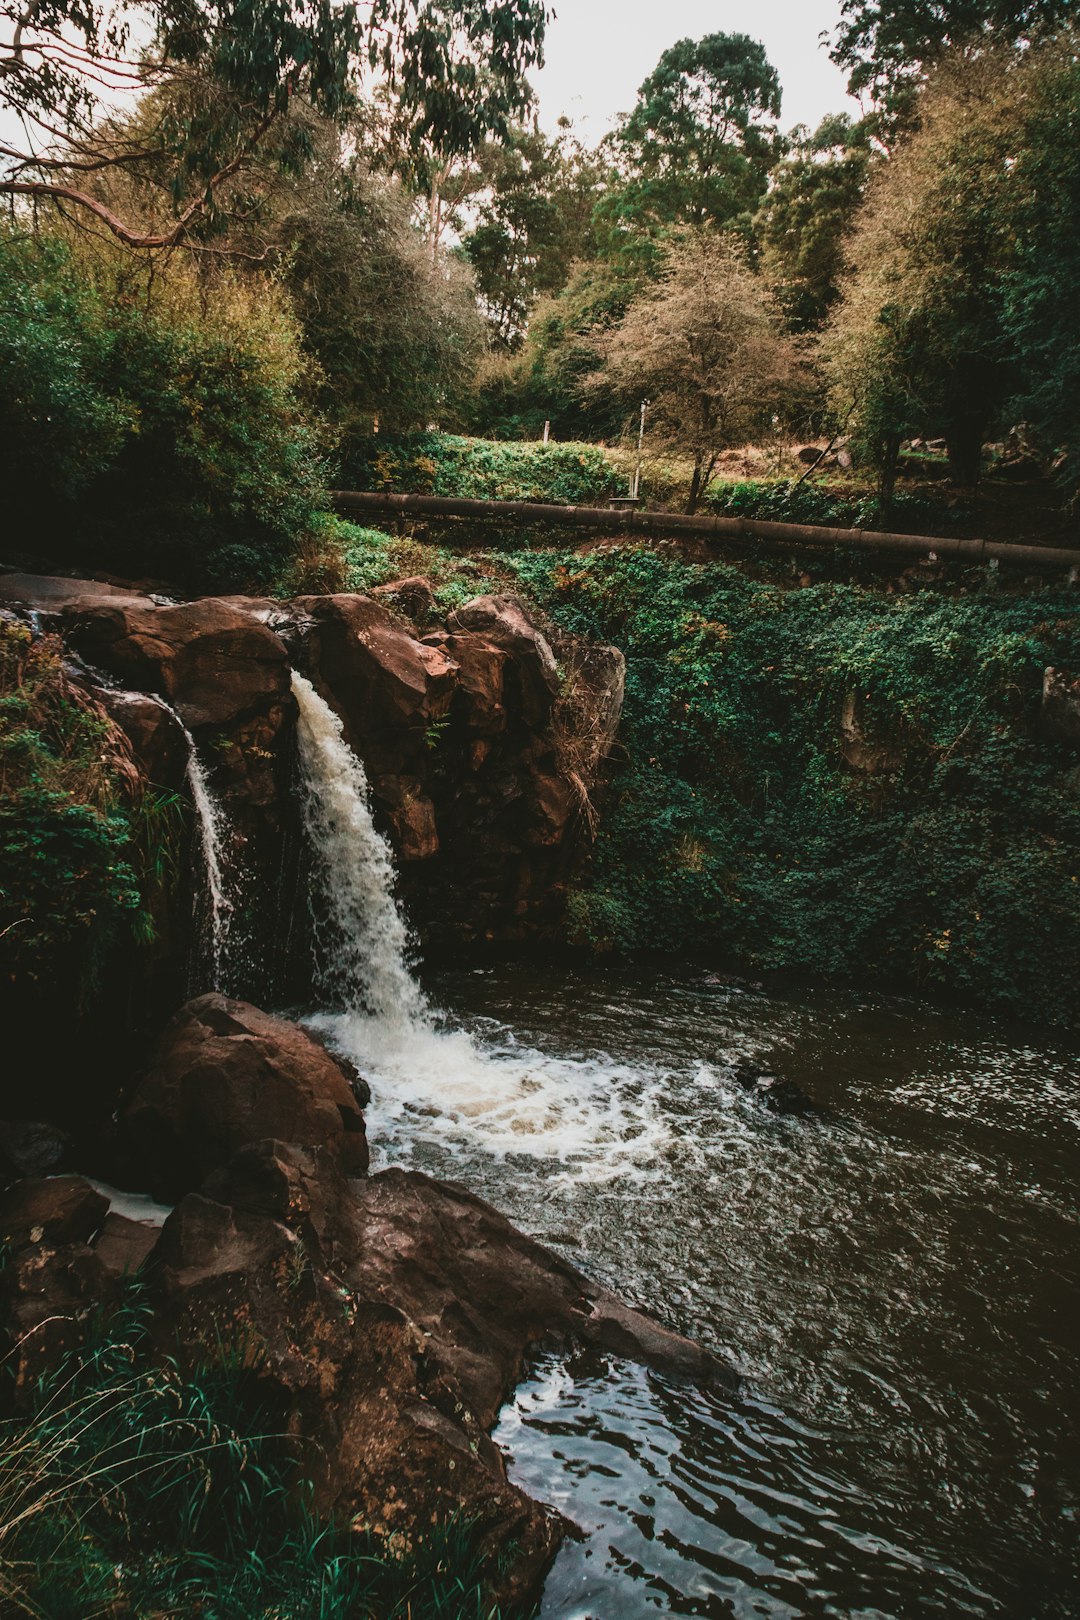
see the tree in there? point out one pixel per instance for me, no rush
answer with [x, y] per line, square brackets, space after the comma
[813, 198]
[533, 221]
[888, 46]
[964, 279]
[214, 79]
[698, 145]
[396, 334]
[703, 345]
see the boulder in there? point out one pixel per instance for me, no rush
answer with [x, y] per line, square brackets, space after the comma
[413, 596]
[124, 1245]
[1060, 716]
[387, 1320]
[213, 660]
[504, 622]
[54, 1210]
[226, 1074]
[388, 686]
[31, 1147]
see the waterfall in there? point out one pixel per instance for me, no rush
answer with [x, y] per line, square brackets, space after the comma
[211, 823]
[213, 832]
[361, 940]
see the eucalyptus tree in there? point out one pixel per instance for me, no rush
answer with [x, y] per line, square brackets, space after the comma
[184, 94]
[699, 143]
[887, 47]
[813, 199]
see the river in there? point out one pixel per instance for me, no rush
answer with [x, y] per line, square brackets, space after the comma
[893, 1271]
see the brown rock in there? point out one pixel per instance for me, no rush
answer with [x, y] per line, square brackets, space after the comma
[413, 596]
[54, 1210]
[504, 621]
[226, 1074]
[31, 1147]
[388, 1319]
[124, 1245]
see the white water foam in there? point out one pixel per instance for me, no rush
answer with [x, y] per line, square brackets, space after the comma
[431, 1082]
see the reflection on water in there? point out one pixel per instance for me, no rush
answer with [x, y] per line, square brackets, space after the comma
[896, 1276]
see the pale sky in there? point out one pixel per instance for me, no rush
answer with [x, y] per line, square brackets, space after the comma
[599, 51]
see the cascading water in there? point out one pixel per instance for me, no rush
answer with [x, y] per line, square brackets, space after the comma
[361, 940]
[213, 843]
[511, 1097]
[211, 824]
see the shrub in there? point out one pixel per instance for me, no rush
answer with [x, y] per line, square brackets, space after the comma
[68, 858]
[151, 425]
[741, 827]
[484, 469]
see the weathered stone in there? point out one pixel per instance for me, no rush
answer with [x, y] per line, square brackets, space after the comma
[413, 596]
[31, 1147]
[505, 622]
[1060, 717]
[124, 1245]
[388, 686]
[872, 755]
[388, 1320]
[226, 1074]
[53, 1210]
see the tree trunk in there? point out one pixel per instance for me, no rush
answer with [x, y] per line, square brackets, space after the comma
[695, 488]
[887, 473]
[964, 442]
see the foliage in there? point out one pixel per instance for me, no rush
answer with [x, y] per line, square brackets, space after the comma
[131, 1485]
[698, 144]
[68, 882]
[396, 333]
[887, 45]
[546, 382]
[702, 346]
[741, 828]
[1041, 286]
[950, 299]
[163, 421]
[219, 81]
[533, 220]
[483, 469]
[814, 195]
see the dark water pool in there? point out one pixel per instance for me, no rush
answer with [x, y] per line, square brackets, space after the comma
[895, 1274]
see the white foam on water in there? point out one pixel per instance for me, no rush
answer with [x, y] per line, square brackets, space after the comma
[589, 1118]
[136, 1206]
[432, 1082]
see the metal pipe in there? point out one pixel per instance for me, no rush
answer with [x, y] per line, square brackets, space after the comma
[363, 502]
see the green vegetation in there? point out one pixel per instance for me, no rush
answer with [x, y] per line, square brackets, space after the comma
[129, 1485]
[833, 779]
[69, 859]
[480, 469]
[151, 426]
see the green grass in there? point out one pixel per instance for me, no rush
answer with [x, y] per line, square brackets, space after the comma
[131, 1488]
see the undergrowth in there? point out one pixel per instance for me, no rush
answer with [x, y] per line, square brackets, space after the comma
[69, 855]
[130, 1487]
[745, 823]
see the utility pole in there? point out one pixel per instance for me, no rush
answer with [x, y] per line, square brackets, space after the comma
[636, 485]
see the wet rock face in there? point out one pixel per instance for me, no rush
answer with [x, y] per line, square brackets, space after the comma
[1060, 719]
[484, 751]
[226, 1074]
[485, 742]
[392, 1317]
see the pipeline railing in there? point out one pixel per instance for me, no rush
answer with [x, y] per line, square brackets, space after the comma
[363, 503]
